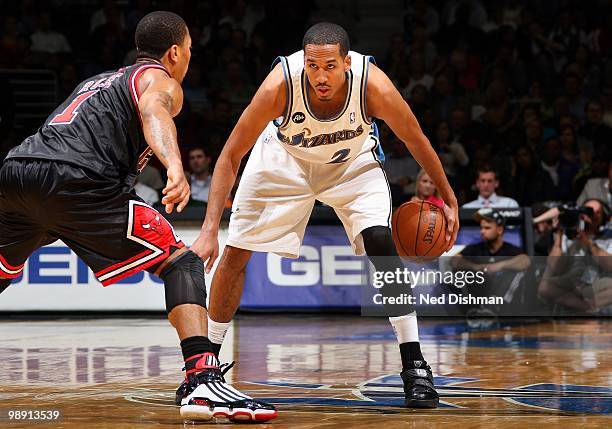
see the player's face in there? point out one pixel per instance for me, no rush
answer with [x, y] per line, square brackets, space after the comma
[326, 69]
[486, 184]
[489, 230]
[182, 56]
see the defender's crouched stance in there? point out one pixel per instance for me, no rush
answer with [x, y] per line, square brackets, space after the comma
[74, 180]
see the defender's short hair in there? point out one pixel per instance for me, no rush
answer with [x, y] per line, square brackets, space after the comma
[157, 31]
[327, 33]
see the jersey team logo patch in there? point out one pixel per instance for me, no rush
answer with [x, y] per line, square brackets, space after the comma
[298, 117]
[352, 117]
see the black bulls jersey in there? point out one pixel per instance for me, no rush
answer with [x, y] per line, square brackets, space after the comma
[98, 127]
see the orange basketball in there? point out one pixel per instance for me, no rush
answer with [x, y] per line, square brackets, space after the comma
[419, 229]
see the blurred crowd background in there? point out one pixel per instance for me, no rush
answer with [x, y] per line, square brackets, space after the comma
[523, 88]
[514, 95]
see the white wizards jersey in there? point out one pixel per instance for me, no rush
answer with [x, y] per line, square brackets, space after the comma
[325, 141]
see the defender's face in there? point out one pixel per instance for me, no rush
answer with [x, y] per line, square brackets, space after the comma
[325, 69]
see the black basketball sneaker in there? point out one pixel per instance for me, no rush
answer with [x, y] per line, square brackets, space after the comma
[204, 394]
[419, 386]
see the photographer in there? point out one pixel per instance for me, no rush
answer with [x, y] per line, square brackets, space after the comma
[579, 265]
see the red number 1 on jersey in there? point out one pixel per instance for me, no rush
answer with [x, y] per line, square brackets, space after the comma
[70, 112]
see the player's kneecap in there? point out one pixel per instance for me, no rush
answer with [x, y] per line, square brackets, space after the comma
[184, 281]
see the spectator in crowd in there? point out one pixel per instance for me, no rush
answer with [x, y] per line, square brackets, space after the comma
[418, 76]
[503, 263]
[576, 100]
[443, 95]
[594, 129]
[544, 230]
[533, 134]
[10, 40]
[528, 182]
[425, 190]
[564, 39]
[46, 40]
[598, 188]
[149, 184]
[421, 13]
[420, 44]
[575, 269]
[606, 100]
[397, 55]
[481, 82]
[236, 88]
[492, 246]
[569, 145]
[200, 177]
[196, 94]
[476, 12]
[487, 183]
[451, 152]
[400, 166]
[560, 171]
[101, 16]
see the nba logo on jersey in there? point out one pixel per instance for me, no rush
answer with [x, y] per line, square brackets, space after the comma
[352, 117]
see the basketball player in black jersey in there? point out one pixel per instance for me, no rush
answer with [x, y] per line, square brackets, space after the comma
[74, 181]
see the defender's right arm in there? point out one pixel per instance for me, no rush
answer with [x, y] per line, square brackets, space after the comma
[268, 103]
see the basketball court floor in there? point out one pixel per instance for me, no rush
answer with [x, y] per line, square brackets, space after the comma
[320, 371]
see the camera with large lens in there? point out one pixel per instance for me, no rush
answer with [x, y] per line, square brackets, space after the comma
[570, 219]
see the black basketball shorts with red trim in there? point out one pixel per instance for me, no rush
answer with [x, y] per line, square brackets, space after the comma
[105, 223]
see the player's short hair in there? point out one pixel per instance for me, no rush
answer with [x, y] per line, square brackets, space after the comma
[157, 31]
[327, 33]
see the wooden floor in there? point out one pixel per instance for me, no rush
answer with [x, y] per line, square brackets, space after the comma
[321, 372]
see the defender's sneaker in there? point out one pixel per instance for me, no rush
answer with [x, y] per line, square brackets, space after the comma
[418, 386]
[207, 395]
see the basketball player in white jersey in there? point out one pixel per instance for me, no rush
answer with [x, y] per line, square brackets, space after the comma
[311, 130]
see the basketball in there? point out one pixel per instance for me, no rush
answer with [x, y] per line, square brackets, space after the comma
[419, 229]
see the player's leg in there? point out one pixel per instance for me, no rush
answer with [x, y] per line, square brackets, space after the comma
[270, 213]
[23, 216]
[225, 292]
[363, 204]
[118, 235]
[416, 374]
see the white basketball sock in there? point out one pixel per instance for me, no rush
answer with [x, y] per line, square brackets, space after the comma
[217, 330]
[405, 327]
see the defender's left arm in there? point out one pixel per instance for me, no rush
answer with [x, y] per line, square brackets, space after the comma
[384, 101]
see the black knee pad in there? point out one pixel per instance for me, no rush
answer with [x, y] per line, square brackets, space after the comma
[380, 248]
[184, 281]
[4, 283]
[377, 241]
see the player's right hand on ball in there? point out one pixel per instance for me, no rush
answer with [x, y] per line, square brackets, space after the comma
[177, 189]
[206, 247]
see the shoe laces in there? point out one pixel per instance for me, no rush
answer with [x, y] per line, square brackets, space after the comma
[214, 373]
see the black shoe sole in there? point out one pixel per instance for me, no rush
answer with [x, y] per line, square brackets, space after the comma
[422, 403]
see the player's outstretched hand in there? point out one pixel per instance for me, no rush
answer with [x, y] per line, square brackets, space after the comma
[451, 211]
[177, 189]
[206, 247]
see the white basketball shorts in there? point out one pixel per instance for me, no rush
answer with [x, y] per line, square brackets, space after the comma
[277, 192]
